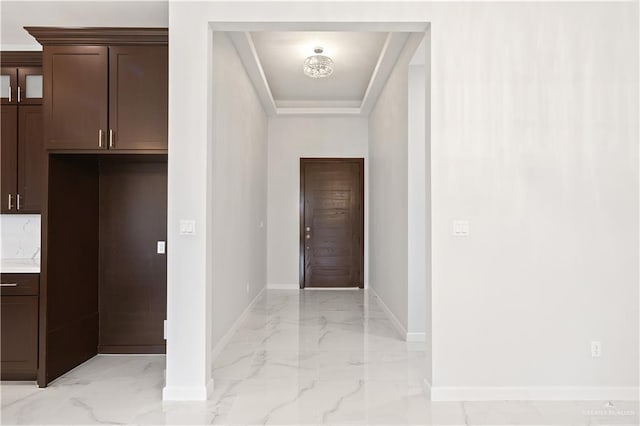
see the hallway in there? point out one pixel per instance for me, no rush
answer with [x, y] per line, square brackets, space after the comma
[308, 357]
[319, 357]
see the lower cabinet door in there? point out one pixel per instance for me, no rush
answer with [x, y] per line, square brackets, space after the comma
[19, 338]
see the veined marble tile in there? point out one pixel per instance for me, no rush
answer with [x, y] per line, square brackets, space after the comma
[20, 236]
[307, 358]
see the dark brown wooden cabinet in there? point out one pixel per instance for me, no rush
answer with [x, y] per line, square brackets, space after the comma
[138, 97]
[19, 326]
[9, 156]
[21, 78]
[21, 141]
[132, 282]
[8, 85]
[106, 97]
[75, 97]
[31, 157]
[22, 158]
[103, 283]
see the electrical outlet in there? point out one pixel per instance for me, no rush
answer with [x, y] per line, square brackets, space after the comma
[161, 247]
[596, 349]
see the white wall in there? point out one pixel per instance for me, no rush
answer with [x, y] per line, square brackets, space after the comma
[239, 192]
[189, 313]
[417, 254]
[534, 139]
[290, 139]
[388, 216]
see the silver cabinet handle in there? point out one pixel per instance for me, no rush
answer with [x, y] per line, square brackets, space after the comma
[18, 202]
[99, 138]
[9, 285]
[18, 94]
[10, 93]
[10, 201]
[110, 138]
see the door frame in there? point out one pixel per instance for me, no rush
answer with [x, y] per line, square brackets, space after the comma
[345, 160]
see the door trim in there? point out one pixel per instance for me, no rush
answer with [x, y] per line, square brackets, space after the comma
[345, 160]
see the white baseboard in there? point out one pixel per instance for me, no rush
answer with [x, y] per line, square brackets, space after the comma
[416, 337]
[412, 337]
[283, 286]
[394, 320]
[187, 393]
[426, 388]
[229, 334]
[533, 393]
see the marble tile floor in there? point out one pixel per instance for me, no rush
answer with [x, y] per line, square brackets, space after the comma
[311, 357]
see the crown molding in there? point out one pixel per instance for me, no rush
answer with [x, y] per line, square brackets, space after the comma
[99, 36]
[21, 58]
[391, 51]
[243, 43]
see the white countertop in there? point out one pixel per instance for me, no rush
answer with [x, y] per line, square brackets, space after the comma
[20, 266]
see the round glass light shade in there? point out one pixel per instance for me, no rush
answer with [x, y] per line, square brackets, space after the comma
[318, 66]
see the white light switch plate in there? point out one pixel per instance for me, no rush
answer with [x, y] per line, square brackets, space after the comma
[461, 228]
[161, 249]
[187, 227]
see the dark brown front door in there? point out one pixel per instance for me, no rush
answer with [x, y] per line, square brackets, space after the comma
[331, 222]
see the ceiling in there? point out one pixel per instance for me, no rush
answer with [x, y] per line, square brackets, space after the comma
[355, 55]
[363, 61]
[14, 15]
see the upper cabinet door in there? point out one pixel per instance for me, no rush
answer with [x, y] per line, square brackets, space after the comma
[8, 85]
[31, 156]
[75, 97]
[30, 88]
[138, 102]
[8, 157]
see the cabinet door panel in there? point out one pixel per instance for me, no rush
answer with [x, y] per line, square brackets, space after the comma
[30, 158]
[19, 337]
[138, 86]
[75, 106]
[30, 84]
[9, 157]
[8, 85]
[133, 277]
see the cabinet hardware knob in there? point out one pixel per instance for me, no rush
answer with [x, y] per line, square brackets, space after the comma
[110, 138]
[308, 237]
[9, 285]
[99, 138]
[18, 202]
[19, 94]
[10, 201]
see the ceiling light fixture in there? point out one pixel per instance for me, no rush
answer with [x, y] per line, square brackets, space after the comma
[318, 65]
